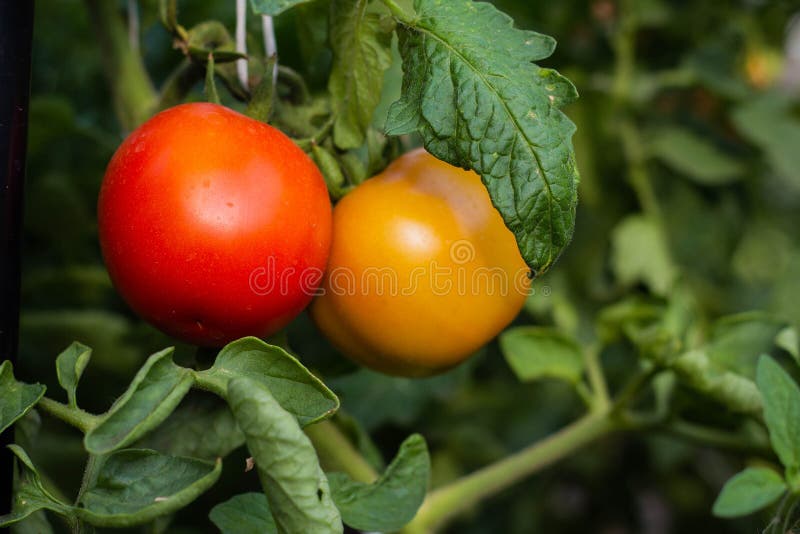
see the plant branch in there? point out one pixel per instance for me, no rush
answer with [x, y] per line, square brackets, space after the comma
[83, 421]
[399, 12]
[133, 93]
[450, 500]
[179, 83]
[715, 437]
[638, 176]
[633, 387]
[295, 81]
[624, 44]
[336, 453]
[597, 380]
[93, 465]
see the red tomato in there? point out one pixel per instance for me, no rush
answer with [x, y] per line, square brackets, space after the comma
[213, 225]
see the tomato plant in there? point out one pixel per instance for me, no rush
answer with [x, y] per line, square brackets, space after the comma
[643, 380]
[210, 222]
[422, 272]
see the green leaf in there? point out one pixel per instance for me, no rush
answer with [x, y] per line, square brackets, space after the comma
[361, 42]
[260, 105]
[69, 367]
[30, 494]
[781, 413]
[154, 393]
[393, 500]
[749, 491]
[735, 391]
[247, 513]
[789, 340]
[168, 14]
[295, 388]
[693, 156]
[535, 352]
[769, 124]
[212, 37]
[16, 398]
[639, 253]
[738, 340]
[471, 90]
[36, 523]
[274, 7]
[201, 427]
[628, 316]
[331, 171]
[375, 398]
[135, 486]
[293, 481]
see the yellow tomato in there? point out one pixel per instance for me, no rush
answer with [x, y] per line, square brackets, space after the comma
[422, 270]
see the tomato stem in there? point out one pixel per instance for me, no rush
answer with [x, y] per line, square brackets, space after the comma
[83, 421]
[597, 380]
[448, 501]
[624, 44]
[716, 438]
[634, 386]
[336, 453]
[399, 12]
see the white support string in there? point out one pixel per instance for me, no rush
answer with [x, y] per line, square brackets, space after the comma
[270, 45]
[133, 24]
[241, 42]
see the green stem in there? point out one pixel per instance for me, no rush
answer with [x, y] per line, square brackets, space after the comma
[624, 44]
[448, 501]
[212, 383]
[336, 453]
[633, 387]
[585, 394]
[292, 78]
[179, 83]
[597, 380]
[319, 136]
[93, 465]
[134, 96]
[638, 176]
[715, 437]
[401, 13]
[789, 513]
[779, 513]
[83, 421]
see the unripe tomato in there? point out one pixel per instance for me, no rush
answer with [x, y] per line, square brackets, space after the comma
[422, 271]
[213, 225]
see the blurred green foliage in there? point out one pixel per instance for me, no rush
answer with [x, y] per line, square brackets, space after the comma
[716, 135]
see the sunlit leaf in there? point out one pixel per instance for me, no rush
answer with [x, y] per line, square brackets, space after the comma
[16, 398]
[472, 91]
[749, 491]
[155, 391]
[391, 501]
[293, 481]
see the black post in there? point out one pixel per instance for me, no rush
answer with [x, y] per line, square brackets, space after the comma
[16, 34]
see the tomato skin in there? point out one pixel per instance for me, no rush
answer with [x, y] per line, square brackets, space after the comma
[419, 217]
[212, 224]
